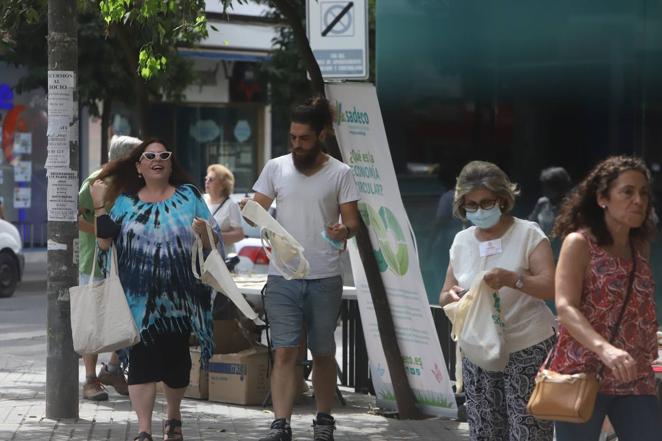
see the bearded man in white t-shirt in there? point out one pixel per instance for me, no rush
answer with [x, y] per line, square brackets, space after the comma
[317, 203]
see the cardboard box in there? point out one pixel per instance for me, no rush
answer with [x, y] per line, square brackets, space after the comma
[240, 378]
[228, 338]
[198, 386]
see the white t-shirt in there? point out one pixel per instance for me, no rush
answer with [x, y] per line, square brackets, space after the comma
[528, 320]
[305, 205]
[228, 216]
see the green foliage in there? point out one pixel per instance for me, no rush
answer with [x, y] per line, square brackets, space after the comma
[127, 50]
[23, 28]
[162, 25]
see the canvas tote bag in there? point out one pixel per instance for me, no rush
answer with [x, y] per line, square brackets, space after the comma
[101, 320]
[481, 335]
[215, 274]
[284, 251]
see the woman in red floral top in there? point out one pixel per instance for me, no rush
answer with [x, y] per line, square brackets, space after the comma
[606, 225]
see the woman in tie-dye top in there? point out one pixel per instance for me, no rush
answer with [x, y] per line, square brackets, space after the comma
[606, 225]
[152, 224]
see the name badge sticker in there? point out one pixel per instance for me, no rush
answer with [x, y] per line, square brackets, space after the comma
[490, 248]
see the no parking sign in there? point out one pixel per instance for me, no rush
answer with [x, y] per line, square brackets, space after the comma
[338, 35]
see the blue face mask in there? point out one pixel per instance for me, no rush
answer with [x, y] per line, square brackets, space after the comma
[485, 218]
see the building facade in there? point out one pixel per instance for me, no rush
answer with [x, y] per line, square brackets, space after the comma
[526, 85]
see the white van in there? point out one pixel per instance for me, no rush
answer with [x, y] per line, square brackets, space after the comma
[12, 260]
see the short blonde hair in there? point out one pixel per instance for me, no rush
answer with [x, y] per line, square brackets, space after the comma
[224, 174]
[482, 174]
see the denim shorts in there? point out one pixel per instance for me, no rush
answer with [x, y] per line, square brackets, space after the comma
[290, 304]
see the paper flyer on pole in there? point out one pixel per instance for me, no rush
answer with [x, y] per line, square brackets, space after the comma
[360, 132]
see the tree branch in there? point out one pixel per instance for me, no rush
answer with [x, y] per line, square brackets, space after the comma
[295, 22]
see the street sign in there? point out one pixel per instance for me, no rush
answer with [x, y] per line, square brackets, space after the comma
[338, 36]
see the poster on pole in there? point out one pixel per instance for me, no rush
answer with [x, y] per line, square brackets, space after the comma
[360, 132]
[62, 195]
[61, 124]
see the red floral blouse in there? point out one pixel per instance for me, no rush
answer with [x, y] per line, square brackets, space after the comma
[604, 291]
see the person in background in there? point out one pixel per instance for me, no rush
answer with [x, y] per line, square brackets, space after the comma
[555, 183]
[155, 216]
[313, 191]
[2, 210]
[219, 185]
[110, 374]
[518, 259]
[606, 226]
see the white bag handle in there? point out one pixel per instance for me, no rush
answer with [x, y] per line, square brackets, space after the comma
[113, 262]
[221, 280]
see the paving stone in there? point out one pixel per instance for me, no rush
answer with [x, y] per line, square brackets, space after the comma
[22, 417]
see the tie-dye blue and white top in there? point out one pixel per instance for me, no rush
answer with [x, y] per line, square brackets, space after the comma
[154, 264]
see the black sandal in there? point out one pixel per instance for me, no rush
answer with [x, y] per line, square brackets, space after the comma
[169, 427]
[143, 436]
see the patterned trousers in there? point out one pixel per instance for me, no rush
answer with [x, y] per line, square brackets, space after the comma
[496, 401]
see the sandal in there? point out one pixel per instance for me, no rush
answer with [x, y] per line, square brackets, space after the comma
[143, 436]
[169, 430]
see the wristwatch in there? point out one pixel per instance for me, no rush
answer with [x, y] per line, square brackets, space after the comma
[519, 282]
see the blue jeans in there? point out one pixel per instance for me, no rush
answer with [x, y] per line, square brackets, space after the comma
[634, 417]
[291, 303]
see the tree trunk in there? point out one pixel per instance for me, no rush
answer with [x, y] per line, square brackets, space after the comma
[404, 396]
[301, 40]
[141, 97]
[106, 110]
[61, 360]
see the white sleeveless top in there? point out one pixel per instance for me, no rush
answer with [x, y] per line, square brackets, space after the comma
[528, 320]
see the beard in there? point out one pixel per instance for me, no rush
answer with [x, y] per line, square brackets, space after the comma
[304, 160]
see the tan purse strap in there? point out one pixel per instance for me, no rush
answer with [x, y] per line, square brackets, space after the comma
[614, 331]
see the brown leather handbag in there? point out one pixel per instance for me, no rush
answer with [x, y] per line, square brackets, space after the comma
[563, 397]
[570, 397]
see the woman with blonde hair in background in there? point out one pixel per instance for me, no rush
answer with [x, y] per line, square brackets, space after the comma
[604, 271]
[219, 185]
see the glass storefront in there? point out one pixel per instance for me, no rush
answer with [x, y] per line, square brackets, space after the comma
[526, 85]
[229, 134]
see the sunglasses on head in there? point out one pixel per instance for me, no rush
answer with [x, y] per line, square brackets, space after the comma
[150, 156]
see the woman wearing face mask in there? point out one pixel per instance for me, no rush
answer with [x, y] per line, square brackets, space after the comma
[518, 259]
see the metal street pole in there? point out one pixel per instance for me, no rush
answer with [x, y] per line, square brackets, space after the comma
[62, 172]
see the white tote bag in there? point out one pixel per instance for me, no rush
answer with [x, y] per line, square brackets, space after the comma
[284, 251]
[101, 320]
[216, 275]
[481, 336]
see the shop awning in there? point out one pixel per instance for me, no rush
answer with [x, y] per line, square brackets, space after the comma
[216, 54]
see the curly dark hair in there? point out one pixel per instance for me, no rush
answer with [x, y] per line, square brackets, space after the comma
[124, 177]
[581, 210]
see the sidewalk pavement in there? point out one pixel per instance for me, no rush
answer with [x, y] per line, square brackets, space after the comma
[23, 384]
[22, 416]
